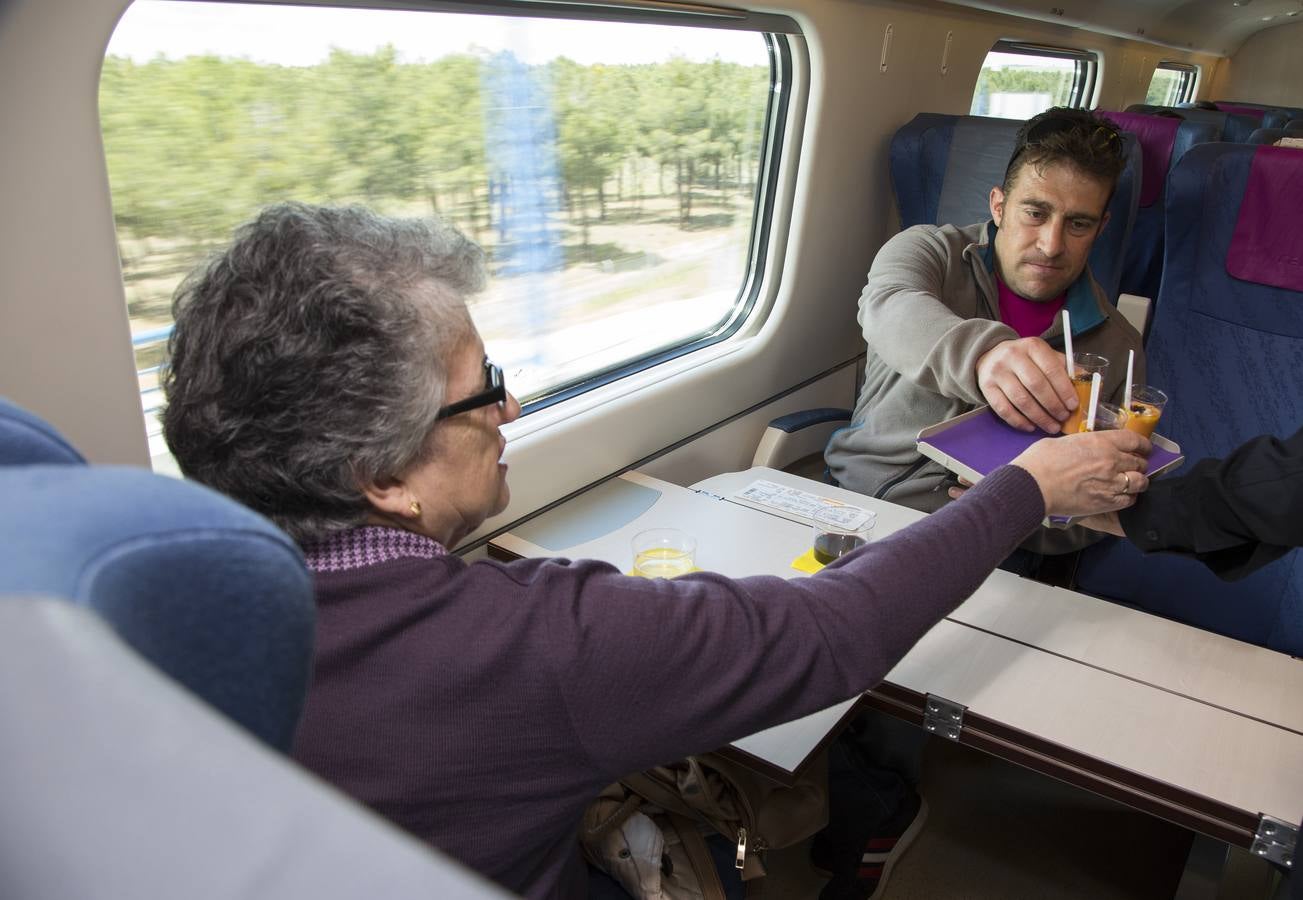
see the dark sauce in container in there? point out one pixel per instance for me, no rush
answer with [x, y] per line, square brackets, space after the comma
[828, 547]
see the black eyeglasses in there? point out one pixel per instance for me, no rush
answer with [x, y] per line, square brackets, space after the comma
[495, 391]
[1106, 133]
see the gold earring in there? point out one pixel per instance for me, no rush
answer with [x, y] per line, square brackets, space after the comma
[415, 507]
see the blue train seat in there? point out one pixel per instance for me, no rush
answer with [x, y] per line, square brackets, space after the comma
[1149, 109]
[1232, 127]
[1270, 135]
[1262, 116]
[26, 439]
[943, 168]
[1272, 116]
[1227, 345]
[1163, 141]
[211, 593]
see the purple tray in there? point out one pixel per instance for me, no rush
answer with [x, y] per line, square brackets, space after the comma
[977, 443]
[985, 442]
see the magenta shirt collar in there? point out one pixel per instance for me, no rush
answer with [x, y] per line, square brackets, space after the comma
[1030, 318]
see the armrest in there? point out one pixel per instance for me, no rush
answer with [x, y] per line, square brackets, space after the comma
[797, 435]
[1135, 310]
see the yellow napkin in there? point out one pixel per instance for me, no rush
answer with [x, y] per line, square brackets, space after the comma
[807, 563]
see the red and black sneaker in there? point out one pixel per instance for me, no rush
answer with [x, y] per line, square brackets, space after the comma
[859, 865]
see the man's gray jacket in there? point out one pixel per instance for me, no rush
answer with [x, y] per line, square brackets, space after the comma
[929, 311]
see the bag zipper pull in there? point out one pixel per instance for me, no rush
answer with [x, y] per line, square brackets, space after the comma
[741, 860]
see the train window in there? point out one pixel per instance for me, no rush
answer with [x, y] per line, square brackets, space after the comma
[1019, 80]
[618, 168]
[1172, 83]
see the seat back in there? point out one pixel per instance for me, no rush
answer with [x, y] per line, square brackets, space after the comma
[1226, 345]
[1235, 127]
[1269, 135]
[1272, 116]
[118, 784]
[1163, 141]
[26, 438]
[1262, 116]
[943, 168]
[211, 593]
[1230, 126]
[1215, 122]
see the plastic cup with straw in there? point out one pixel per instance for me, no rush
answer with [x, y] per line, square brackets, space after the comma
[1081, 366]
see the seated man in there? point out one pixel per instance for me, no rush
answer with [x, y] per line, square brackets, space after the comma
[958, 317]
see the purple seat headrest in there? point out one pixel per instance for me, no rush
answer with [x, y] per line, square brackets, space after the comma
[1156, 135]
[1267, 245]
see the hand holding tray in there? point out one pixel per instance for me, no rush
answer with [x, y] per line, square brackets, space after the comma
[975, 444]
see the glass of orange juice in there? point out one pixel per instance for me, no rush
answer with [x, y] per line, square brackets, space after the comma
[1084, 365]
[1147, 404]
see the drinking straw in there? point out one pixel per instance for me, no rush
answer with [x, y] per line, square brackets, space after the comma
[1067, 344]
[1094, 401]
[1126, 395]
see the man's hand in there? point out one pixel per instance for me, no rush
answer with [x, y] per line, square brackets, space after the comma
[1027, 384]
[1085, 474]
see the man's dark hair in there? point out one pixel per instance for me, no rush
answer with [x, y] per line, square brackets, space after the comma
[1066, 135]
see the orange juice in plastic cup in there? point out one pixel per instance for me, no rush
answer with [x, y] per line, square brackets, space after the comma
[1084, 366]
[1147, 404]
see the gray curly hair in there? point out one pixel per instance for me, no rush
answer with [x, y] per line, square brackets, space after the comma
[309, 358]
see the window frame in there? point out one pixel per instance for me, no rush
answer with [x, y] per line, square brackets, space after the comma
[1085, 76]
[773, 28]
[1189, 79]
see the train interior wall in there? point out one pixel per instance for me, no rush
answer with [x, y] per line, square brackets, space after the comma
[1264, 69]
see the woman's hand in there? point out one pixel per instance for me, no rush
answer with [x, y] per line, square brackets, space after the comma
[1086, 474]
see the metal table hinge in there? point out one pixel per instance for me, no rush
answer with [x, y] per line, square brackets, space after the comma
[943, 717]
[1275, 841]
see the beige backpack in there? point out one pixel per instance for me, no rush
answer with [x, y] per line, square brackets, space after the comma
[648, 830]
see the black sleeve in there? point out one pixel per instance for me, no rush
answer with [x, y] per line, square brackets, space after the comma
[1235, 515]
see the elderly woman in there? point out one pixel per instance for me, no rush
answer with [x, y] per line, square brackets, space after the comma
[325, 371]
